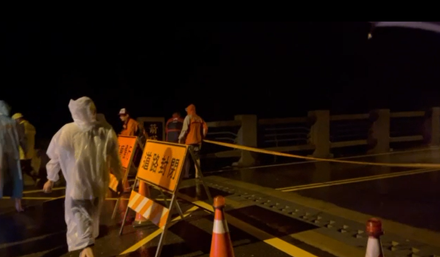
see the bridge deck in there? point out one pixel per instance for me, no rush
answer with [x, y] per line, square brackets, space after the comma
[302, 209]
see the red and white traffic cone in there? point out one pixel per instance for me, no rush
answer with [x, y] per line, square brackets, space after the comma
[221, 245]
[144, 191]
[374, 230]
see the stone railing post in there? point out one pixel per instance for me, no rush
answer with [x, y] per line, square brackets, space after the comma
[379, 137]
[247, 135]
[431, 133]
[320, 133]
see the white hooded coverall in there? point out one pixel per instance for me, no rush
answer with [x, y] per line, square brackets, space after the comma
[85, 150]
[11, 180]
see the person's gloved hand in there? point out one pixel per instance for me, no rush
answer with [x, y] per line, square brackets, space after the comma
[47, 188]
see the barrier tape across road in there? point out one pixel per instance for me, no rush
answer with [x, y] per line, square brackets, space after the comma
[257, 150]
[309, 158]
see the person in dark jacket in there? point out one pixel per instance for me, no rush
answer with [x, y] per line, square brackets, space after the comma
[173, 128]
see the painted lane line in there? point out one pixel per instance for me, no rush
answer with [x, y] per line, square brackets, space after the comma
[348, 180]
[363, 179]
[288, 248]
[267, 238]
[29, 240]
[33, 198]
[62, 196]
[41, 190]
[156, 233]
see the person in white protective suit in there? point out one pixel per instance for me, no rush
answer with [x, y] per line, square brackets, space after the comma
[11, 179]
[85, 150]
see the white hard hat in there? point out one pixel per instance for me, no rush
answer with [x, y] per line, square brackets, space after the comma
[123, 111]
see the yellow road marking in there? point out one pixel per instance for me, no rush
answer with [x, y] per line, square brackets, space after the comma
[355, 180]
[269, 239]
[258, 233]
[115, 199]
[349, 179]
[62, 196]
[327, 244]
[29, 240]
[288, 248]
[33, 198]
[156, 233]
[41, 190]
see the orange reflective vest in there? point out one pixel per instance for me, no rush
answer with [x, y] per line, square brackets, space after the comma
[131, 128]
[194, 128]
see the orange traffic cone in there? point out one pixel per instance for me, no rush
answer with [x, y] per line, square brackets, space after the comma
[144, 191]
[221, 245]
[374, 230]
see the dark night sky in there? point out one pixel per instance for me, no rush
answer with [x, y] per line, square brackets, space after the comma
[225, 68]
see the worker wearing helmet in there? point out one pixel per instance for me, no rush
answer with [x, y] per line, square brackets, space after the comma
[130, 127]
[29, 135]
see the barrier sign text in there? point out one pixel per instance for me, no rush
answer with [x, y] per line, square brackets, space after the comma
[153, 126]
[162, 164]
[126, 149]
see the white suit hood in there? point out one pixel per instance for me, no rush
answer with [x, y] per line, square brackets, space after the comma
[4, 108]
[83, 112]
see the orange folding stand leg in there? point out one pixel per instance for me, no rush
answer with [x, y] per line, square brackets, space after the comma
[144, 191]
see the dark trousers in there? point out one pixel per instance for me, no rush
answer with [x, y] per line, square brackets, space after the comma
[26, 166]
[189, 168]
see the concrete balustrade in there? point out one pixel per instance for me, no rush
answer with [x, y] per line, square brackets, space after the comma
[320, 132]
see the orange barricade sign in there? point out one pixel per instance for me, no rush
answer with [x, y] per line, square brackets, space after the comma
[149, 209]
[160, 167]
[127, 148]
[162, 164]
[113, 185]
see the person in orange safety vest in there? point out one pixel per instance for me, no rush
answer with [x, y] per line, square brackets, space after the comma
[173, 128]
[130, 126]
[193, 132]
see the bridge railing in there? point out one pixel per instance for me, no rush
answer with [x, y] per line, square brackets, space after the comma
[407, 126]
[289, 134]
[320, 132]
[222, 131]
[349, 130]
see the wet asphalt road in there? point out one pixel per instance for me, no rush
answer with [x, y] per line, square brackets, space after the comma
[41, 233]
[412, 200]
